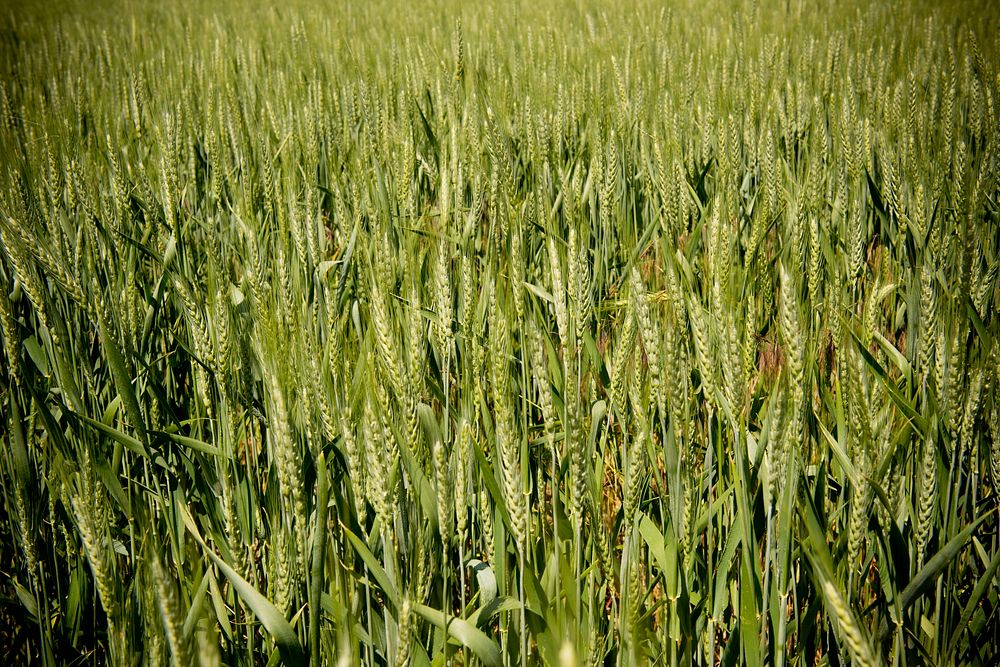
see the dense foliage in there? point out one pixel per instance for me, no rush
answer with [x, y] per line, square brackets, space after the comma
[422, 333]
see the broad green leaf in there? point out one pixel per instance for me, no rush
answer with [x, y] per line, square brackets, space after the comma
[939, 561]
[191, 443]
[485, 578]
[984, 584]
[466, 633]
[269, 616]
[392, 596]
[122, 378]
[127, 441]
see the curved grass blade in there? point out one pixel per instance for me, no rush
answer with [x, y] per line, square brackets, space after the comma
[127, 441]
[982, 586]
[485, 578]
[381, 577]
[318, 552]
[938, 562]
[272, 619]
[191, 443]
[466, 633]
[121, 377]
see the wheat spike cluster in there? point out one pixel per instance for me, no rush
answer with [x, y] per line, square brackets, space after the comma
[494, 334]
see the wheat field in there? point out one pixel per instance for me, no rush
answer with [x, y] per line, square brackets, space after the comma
[432, 333]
